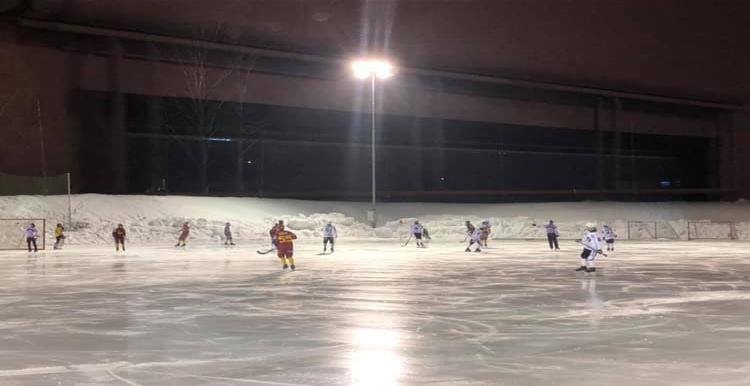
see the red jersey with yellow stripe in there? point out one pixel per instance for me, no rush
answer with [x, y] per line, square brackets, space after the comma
[285, 240]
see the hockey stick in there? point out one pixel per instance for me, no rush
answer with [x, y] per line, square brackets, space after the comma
[265, 252]
[407, 241]
[598, 251]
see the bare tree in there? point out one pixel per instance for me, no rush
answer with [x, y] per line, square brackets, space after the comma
[209, 77]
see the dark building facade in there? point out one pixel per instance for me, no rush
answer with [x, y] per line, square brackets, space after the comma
[133, 111]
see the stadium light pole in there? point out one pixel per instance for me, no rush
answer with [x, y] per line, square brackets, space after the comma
[373, 69]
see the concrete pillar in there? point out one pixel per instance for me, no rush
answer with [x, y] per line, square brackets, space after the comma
[239, 166]
[598, 112]
[117, 126]
[617, 183]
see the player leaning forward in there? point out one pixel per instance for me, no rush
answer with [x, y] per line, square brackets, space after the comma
[591, 247]
[285, 246]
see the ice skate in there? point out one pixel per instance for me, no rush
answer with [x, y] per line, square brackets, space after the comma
[581, 268]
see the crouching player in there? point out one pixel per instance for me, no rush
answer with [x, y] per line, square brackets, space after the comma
[591, 247]
[285, 246]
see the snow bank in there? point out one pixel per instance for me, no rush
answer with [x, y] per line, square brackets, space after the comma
[156, 219]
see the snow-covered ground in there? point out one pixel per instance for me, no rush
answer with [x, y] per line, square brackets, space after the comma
[375, 313]
[156, 219]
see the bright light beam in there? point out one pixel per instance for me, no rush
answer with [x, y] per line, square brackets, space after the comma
[365, 68]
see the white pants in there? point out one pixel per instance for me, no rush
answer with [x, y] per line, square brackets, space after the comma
[587, 258]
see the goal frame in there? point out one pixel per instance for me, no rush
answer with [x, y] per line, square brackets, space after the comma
[651, 225]
[693, 231]
[43, 232]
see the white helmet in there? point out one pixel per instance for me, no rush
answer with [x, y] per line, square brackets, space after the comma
[591, 226]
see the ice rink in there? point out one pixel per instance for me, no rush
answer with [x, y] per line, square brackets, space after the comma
[374, 313]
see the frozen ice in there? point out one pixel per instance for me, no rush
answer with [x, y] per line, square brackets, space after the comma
[376, 313]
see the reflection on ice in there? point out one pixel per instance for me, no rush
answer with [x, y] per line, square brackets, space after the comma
[375, 359]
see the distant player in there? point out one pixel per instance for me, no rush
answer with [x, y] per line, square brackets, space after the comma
[31, 234]
[329, 236]
[285, 246]
[552, 234]
[274, 231]
[417, 230]
[608, 234]
[475, 238]
[591, 247]
[59, 236]
[184, 233]
[228, 234]
[486, 228]
[469, 228]
[119, 235]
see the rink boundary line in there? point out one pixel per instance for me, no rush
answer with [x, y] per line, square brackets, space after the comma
[46, 370]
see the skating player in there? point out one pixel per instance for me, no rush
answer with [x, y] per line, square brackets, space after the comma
[285, 246]
[608, 234]
[417, 230]
[329, 236]
[228, 234]
[119, 235]
[486, 228]
[273, 232]
[31, 234]
[184, 232]
[475, 238]
[591, 247]
[59, 236]
[552, 234]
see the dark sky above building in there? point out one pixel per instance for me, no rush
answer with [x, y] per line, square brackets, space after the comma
[685, 48]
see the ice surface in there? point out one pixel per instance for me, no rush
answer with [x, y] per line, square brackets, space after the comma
[374, 313]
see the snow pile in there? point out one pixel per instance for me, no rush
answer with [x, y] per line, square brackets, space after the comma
[157, 219]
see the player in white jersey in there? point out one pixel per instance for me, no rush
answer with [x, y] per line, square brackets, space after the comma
[486, 228]
[608, 234]
[329, 236]
[475, 238]
[417, 230]
[591, 247]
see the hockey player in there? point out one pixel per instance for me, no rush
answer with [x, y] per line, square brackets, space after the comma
[273, 232]
[486, 228]
[184, 232]
[228, 234]
[31, 234]
[552, 234]
[608, 234]
[329, 236]
[475, 238]
[59, 236]
[119, 235]
[591, 247]
[417, 230]
[285, 246]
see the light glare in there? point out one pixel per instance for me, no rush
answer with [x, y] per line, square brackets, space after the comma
[372, 67]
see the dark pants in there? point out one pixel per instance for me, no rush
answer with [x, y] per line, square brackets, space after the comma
[31, 241]
[552, 239]
[119, 241]
[327, 240]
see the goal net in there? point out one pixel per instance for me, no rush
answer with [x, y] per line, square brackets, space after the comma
[641, 230]
[711, 230]
[12, 233]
